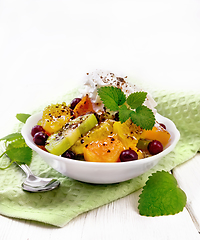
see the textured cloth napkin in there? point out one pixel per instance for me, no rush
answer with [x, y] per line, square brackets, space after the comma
[72, 198]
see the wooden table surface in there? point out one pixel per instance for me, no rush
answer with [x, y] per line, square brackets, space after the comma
[45, 49]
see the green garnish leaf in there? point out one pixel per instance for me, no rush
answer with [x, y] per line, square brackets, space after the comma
[20, 142]
[112, 97]
[161, 196]
[22, 117]
[22, 155]
[136, 99]
[132, 107]
[12, 137]
[124, 113]
[143, 117]
[17, 149]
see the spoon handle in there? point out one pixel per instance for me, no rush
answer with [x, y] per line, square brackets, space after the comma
[25, 168]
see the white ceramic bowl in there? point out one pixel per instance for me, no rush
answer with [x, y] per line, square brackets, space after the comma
[100, 173]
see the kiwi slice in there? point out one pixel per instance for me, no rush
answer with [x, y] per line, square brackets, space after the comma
[62, 140]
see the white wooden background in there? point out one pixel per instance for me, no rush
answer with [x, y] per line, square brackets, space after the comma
[46, 44]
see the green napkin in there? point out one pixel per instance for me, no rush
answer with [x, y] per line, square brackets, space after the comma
[72, 198]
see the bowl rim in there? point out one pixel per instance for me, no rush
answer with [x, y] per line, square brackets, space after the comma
[33, 119]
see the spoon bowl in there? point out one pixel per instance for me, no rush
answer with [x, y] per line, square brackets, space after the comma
[34, 183]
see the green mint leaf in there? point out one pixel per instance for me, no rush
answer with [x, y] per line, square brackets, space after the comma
[22, 155]
[124, 113]
[161, 196]
[17, 144]
[112, 97]
[17, 150]
[22, 117]
[12, 137]
[143, 117]
[136, 99]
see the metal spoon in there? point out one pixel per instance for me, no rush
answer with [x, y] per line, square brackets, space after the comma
[34, 183]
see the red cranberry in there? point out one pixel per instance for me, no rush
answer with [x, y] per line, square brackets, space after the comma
[155, 147]
[40, 138]
[163, 125]
[36, 129]
[74, 102]
[69, 154]
[128, 155]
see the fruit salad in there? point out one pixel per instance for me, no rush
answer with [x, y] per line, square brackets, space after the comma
[110, 121]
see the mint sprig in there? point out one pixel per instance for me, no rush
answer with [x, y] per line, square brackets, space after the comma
[132, 107]
[161, 196]
[16, 148]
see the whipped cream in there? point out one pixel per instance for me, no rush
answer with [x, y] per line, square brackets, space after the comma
[100, 78]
